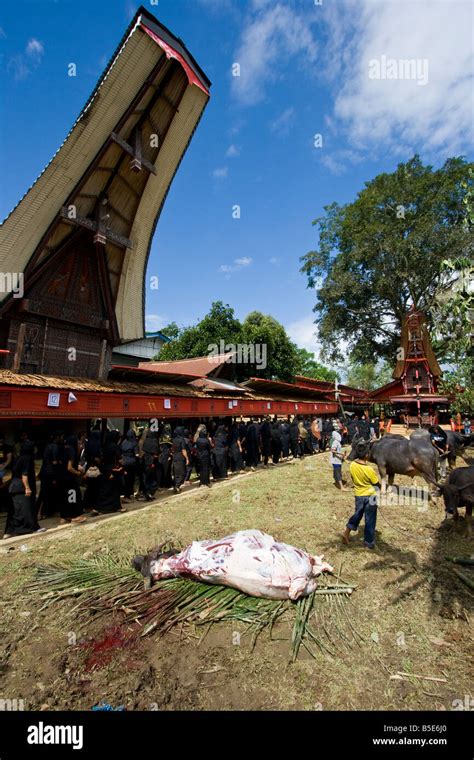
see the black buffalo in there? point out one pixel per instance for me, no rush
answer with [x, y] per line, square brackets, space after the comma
[397, 455]
[458, 492]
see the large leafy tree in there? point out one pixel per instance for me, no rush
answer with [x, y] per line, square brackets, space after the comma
[219, 324]
[171, 331]
[221, 327]
[368, 375]
[282, 360]
[385, 251]
[310, 367]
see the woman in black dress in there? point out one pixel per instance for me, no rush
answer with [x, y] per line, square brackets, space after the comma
[71, 506]
[92, 456]
[180, 458]
[251, 445]
[203, 455]
[22, 515]
[235, 449]
[220, 453]
[110, 481]
[276, 442]
[285, 438]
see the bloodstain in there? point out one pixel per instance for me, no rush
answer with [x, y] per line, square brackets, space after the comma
[102, 651]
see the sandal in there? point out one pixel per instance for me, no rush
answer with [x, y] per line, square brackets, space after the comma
[80, 519]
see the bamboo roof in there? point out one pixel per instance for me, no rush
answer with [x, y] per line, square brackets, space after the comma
[151, 91]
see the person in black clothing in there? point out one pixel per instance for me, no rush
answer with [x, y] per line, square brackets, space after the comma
[363, 428]
[294, 437]
[165, 457]
[266, 440]
[6, 462]
[351, 429]
[51, 476]
[251, 444]
[285, 438]
[326, 433]
[71, 506]
[276, 442]
[439, 439]
[152, 465]
[21, 517]
[180, 458]
[203, 455]
[129, 448]
[92, 457]
[110, 481]
[188, 445]
[220, 453]
[235, 449]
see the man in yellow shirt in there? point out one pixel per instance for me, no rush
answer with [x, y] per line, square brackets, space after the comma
[365, 482]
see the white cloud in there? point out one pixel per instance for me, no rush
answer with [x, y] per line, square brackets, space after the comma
[272, 35]
[221, 172]
[338, 161]
[275, 260]
[2, 33]
[400, 113]
[155, 322]
[22, 64]
[232, 151]
[35, 49]
[304, 333]
[237, 264]
[283, 123]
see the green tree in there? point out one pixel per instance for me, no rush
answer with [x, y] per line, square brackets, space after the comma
[385, 251]
[282, 360]
[219, 324]
[368, 375]
[459, 384]
[171, 331]
[312, 368]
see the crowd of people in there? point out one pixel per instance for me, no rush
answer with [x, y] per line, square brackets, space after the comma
[94, 474]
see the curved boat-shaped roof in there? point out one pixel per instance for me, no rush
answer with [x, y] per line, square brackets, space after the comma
[108, 181]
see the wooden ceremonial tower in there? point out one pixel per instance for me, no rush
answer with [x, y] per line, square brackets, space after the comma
[414, 393]
[417, 367]
[79, 240]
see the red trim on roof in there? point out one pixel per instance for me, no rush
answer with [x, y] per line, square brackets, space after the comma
[172, 53]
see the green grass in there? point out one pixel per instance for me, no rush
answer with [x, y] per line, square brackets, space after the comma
[406, 586]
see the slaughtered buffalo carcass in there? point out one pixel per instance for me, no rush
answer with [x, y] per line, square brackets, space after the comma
[458, 492]
[397, 455]
[248, 560]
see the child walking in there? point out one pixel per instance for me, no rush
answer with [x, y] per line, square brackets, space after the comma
[336, 458]
[365, 482]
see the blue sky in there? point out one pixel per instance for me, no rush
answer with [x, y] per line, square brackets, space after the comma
[304, 71]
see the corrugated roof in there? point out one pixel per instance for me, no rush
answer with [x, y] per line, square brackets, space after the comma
[282, 390]
[103, 386]
[200, 366]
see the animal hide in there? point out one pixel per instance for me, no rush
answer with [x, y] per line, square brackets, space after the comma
[250, 561]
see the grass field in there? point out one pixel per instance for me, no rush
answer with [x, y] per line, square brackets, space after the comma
[413, 613]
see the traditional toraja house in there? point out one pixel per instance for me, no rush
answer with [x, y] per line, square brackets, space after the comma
[78, 241]
[415, 391]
